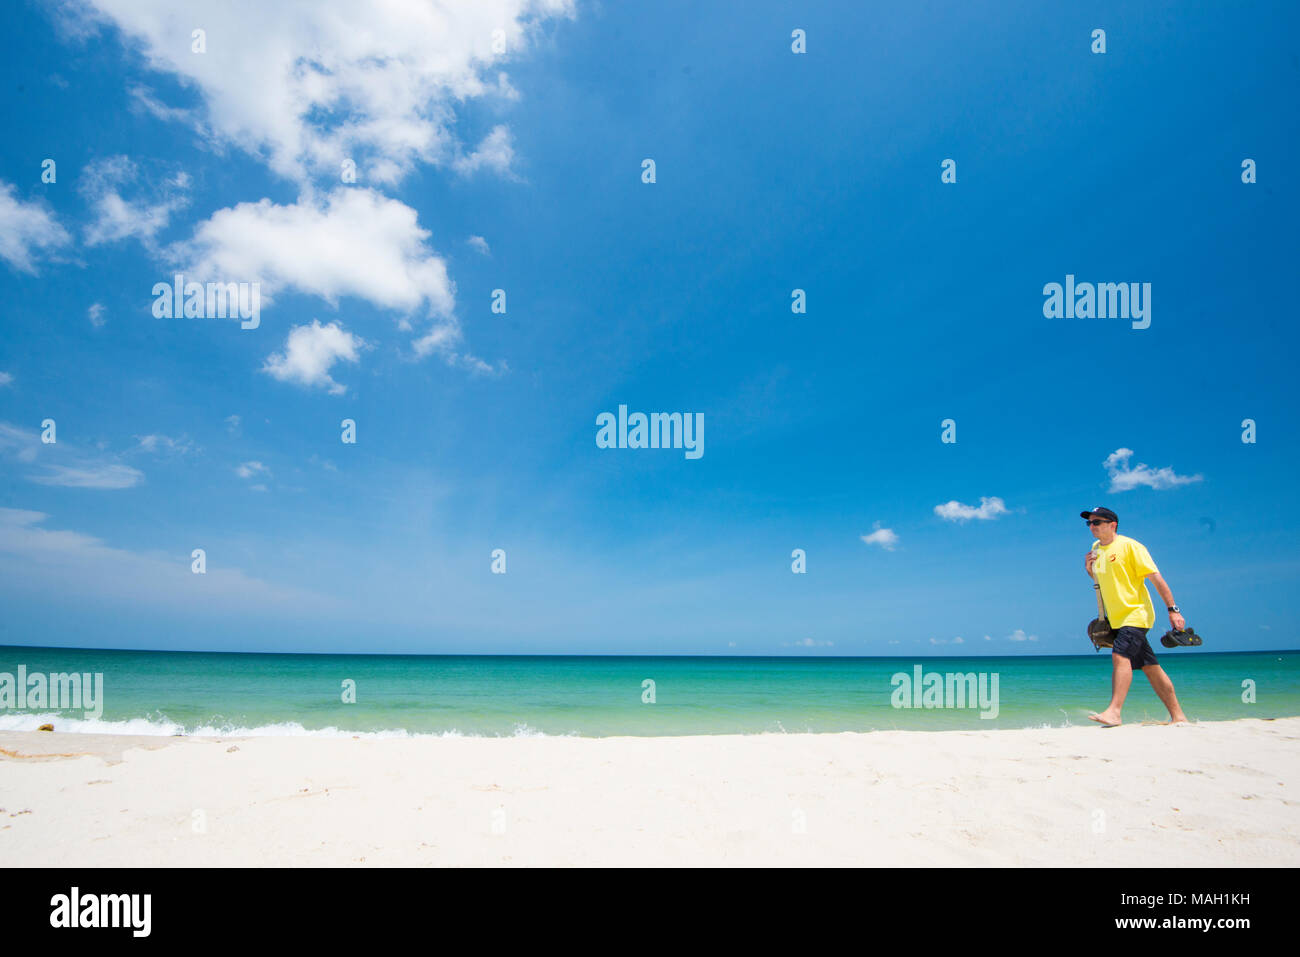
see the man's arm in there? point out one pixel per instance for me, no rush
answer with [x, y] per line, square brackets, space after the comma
[1167, 595]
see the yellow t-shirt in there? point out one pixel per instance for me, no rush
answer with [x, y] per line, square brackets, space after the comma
[1121, 568]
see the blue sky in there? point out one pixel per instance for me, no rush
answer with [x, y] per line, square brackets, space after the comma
[480, 170]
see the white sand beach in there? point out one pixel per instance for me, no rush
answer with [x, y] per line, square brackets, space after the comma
[1224, 793]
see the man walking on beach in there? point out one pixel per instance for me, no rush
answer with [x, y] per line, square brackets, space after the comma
[1118, 565]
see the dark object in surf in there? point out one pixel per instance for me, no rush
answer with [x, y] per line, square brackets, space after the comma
[1187, 638]
[46, 727]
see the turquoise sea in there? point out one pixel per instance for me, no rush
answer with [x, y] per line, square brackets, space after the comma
[154, 692]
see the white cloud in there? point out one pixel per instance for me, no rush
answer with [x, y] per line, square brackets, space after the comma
[884, 537]
[437, 339]
[494, 153]
[249, 469]
[117, 218]
[163, 443]
[232, 424]
[102, 476]
[480, 244]
[944, 641]
[305, 85]
[1123, 477]
[143, 99]
[310, 352]
[352, 242]
[96, 315]
[76, 564]
[6, 378]
[309, 83]
[22, 444]
[1019, 635]
[26, 231]
[988, 509]
[807, 643]
[80, 471]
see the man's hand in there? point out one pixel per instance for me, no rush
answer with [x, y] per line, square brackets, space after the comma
[1167, 596]
[1087, 562]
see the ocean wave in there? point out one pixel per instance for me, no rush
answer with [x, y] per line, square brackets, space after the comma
[163, 727]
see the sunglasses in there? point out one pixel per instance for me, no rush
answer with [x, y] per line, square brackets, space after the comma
[1096, 521]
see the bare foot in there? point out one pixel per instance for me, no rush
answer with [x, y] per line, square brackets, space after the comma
[1107, 719]
[1180, 718]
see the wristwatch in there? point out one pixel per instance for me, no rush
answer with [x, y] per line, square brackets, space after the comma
[1174, 608]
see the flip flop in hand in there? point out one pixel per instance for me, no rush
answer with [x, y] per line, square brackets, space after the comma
[1180, 639]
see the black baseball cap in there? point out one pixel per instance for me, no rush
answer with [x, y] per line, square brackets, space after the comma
[1099, 512]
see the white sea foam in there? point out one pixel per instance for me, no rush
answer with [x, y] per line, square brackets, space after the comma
[163, 727]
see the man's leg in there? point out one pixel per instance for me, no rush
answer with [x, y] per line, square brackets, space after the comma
[1121, 676]
[1164, 687]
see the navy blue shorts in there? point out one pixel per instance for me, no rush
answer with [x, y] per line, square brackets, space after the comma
[1132, 644]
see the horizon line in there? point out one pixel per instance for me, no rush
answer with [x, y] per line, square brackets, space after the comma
[438, 654]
